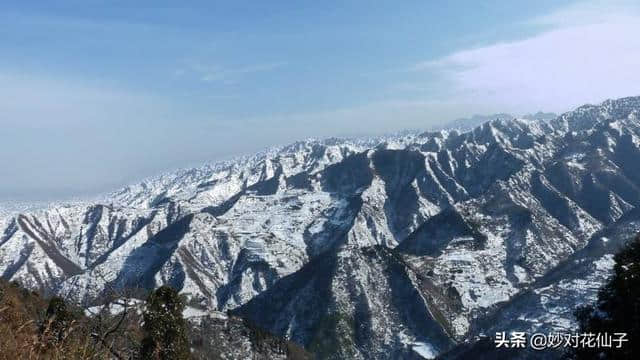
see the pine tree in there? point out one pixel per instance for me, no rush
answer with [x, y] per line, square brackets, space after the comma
[617, 309]
[164, 327]
[58, 320]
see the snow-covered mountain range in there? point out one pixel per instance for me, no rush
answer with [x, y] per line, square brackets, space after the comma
[389, 247]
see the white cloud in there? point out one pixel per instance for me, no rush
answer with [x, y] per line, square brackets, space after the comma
[590, 53]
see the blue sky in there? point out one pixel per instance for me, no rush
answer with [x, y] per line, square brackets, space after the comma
[96, 94]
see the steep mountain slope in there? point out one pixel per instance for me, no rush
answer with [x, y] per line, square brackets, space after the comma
[404, 244]
[358, 302]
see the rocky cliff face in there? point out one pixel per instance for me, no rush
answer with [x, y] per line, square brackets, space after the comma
[400, 245]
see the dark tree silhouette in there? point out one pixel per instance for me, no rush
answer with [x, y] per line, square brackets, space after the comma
[617, 309]
[164, 327]
[58, 320]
